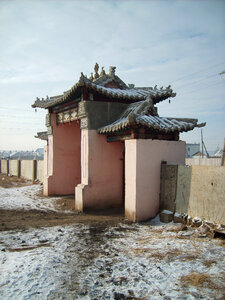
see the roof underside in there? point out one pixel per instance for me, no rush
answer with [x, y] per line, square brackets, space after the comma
[129, 94]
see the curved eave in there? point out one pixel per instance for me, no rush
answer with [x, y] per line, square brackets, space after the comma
[125, 125]
[138, 94]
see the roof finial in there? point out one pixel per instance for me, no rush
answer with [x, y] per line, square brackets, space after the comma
[112, 71]
[91, 77]
[96, 71]
[102, 72]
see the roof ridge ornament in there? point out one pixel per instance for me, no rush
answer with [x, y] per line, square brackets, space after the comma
[102, 72]
[82, 78]
[91, 77]
[112, 71]
[96, 67]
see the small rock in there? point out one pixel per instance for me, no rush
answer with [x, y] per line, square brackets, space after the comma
[184, 219]
[184, 228]
[166, 216]
[178, 218]
[197, 222]
[43, 241]
[119, 296]
[189, 220]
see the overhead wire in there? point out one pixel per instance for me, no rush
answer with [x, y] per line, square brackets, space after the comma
[213, 66]
[199, 88]
[197, 81]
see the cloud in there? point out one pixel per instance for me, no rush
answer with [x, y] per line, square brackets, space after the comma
[46, 44]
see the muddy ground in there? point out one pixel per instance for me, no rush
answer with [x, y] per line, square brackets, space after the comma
[24, 219]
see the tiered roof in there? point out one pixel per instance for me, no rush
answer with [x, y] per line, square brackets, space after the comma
[140, 112]
[104, 84]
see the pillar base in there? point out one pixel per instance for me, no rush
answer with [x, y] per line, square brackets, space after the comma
[79, 196]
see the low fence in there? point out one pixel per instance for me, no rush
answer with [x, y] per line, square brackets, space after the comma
[29, 169]
[213, 161]
[198, 191]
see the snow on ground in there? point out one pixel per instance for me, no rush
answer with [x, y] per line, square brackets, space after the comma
[26, 198]
[144, 261]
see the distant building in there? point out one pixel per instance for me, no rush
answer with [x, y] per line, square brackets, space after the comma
[38, 154]
[218, 152]
[199, 154]
[5, 154]
[192, 149]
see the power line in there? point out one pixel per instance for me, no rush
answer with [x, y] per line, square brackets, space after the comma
[202, 79]
[202, 88]
[198, 72]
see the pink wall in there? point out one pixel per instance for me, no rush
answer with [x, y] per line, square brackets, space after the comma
[101, 172]
[63, 158]
[142, 174]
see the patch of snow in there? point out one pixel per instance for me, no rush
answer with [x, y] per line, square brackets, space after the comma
[26, 198]
[168, 212]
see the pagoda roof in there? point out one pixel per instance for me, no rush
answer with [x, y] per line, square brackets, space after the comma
[99, 85]
[142, 114]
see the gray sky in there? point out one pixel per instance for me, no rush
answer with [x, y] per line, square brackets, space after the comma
[46, 44]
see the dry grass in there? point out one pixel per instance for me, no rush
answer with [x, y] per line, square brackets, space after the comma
[27, 248]
[177, 228]
[208, 263]
[195, 279]
[167, 255]
[222, 242]
[189, 257]
[199, 280]
[170, 255]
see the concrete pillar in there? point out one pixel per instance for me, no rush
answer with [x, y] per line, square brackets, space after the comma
[142, 174]
[34, 169]
[101, 172]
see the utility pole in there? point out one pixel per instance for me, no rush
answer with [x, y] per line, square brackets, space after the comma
[223, 154]
[202, 141]
[203, 145]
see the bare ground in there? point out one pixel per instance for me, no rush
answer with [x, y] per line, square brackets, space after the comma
[23, 219]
